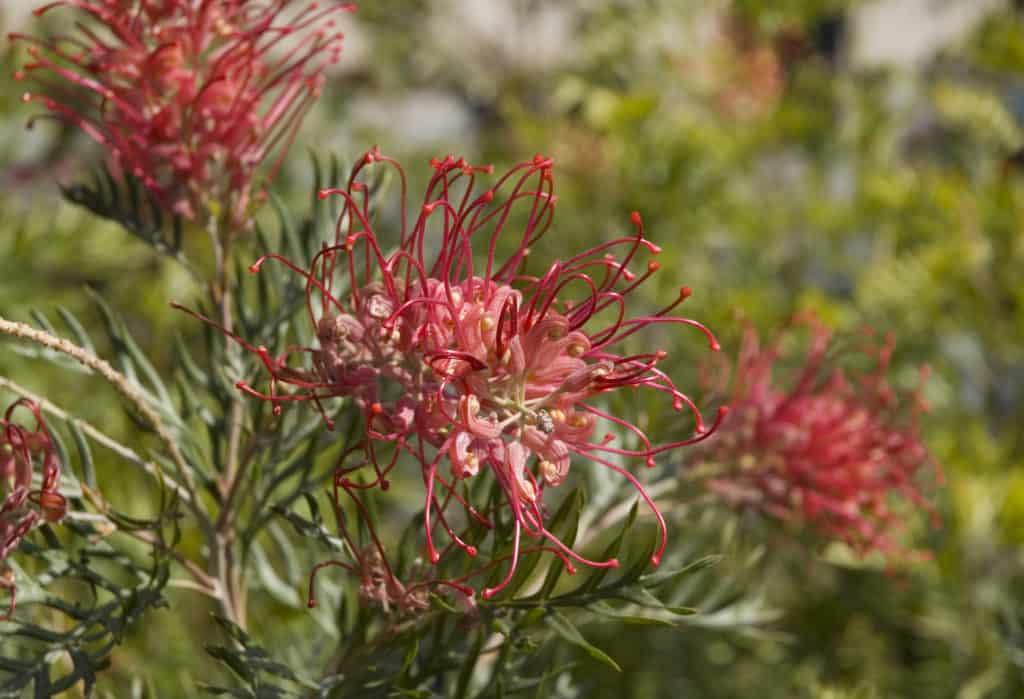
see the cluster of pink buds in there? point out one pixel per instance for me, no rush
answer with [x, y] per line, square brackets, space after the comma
[22, 453]
[829, 450]
[472, 365]
[378, 583]
[189, 96]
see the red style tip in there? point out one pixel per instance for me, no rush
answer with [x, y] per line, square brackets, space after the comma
[635, 218]
[655, 560]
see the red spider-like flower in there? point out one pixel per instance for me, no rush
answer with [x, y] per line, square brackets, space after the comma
[471, 365]
[22, 452]
[189, 96]
[831, 450]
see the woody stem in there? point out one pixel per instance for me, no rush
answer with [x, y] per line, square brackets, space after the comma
[223, 564]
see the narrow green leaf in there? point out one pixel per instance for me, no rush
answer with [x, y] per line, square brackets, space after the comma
[641, 596]
[76, 328]
[43, 322]
[639, 558]
[188, 364]
[564, 525]
[439, 602]
[611, 551]
[468, 664]
[233, 630]
[232, 660]
[84, 453]
[561, 625]
[286, 548]
[604, 609]
[410, 657]
[658, 578]
[120, 334]
[271, 581]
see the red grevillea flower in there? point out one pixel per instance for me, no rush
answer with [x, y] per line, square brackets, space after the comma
[831, 450]
[22, 452]
[473, 364]
[189, 96]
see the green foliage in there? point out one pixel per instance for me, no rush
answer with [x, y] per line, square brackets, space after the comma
[84, 588]
[128, 203]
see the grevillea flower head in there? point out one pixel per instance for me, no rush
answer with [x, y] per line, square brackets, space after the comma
[468, 362]
[189, 96]
[25, 502]
[832, 449]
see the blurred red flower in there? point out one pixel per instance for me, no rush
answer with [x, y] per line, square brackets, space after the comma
[189, 96]
[834, 449]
